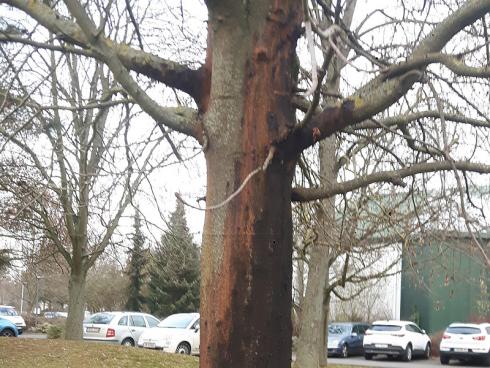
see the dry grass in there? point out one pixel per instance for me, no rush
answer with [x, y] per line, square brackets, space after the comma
[33, 353]
[27, 353]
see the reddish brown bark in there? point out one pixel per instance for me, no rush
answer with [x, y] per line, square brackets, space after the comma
[251, 279]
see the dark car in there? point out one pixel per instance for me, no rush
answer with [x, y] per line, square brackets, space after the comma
[346, 338]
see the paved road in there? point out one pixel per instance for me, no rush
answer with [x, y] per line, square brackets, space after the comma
[385, 363]
[30, 335]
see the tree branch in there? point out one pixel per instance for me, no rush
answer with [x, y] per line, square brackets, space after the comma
[393, 176]
[381, 92]
[166, 71]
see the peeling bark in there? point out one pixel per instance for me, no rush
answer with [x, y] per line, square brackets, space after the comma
[247, 245]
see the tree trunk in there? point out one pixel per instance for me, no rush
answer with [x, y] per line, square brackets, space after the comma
[247, 243]
[311, 344]
[76, 305]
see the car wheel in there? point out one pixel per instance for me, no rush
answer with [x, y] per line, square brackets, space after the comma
[444, 359]
[183, 348]
[407, 355]
[345, 351]
[427, 351]
[368, 356]
[487, 360]
[7, 333]
[127, 342]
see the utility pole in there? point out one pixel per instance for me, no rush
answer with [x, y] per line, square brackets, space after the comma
[22, 298]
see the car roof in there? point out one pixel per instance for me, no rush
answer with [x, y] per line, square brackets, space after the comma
[185, 314]
[349, 323]
[393, 322]
[461, 324]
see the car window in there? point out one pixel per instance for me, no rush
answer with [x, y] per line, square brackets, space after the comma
[123, 321]
[412, 328]
[356, 329]
[385, 328]
[417, 329]
[137, 321]
[177, 321]
[339, 329]
[488, 330]
[152, 322]
[101, 318]
[360, 329]
[463, 330]
[195, 325]
[7, 311]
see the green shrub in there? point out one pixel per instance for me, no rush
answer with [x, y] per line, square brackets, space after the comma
[54, 332]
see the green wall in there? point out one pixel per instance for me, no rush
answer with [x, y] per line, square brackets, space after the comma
[444, 282]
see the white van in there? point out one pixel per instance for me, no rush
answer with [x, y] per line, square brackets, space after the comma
[9, 313]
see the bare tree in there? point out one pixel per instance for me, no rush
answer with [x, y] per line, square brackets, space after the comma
[70, 162]
[246, 94]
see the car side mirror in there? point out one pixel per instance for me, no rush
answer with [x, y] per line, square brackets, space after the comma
[423, 331]
[196, 329]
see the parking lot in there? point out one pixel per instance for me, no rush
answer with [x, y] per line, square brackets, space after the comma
[385, 363]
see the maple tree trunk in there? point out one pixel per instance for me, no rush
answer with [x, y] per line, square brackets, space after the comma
[76, 305]
[247, 243]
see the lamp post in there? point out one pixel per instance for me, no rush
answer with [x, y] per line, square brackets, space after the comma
[22, 299]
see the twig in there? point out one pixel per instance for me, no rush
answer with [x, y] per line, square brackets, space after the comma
[263, 167]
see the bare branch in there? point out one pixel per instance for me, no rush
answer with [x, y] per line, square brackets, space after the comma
[392, 176]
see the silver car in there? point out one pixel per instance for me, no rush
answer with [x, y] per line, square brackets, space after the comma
[122, 328]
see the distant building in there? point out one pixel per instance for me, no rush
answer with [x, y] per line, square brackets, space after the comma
[444, 279]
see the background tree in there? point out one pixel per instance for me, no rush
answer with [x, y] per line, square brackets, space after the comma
[136, 269]
[4, 260]
[106, 283]
[73, 168]
[247, 96]
[174, 270]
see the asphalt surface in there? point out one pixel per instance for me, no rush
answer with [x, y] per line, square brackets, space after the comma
[30, 335]
[383, 362]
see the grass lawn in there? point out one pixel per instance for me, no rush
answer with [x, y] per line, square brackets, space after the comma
[30, 353]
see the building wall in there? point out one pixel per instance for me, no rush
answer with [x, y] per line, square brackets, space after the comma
[444, 282]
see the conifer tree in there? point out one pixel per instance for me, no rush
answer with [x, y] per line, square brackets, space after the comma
[174, 270]
[4, 259]
[136, 268]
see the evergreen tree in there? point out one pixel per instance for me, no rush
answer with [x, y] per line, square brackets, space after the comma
[136, 268]
[4, 259]
[174, 271]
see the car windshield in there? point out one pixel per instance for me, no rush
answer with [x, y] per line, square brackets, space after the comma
[463, 330]
[176, 321]
[4, 311]
[339, 329]
[385, 328]
[100, 318]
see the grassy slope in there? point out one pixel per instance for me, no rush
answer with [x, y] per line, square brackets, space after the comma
[30, 353]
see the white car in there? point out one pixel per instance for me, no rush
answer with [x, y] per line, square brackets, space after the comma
[9, 313]
[178, 333]
[122, 328]
[396, 339]
[465, 341]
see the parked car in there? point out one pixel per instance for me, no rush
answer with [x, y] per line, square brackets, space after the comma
[122, 328]
[9, 313]
[465, 341]
[396, 339]
[7, 328]
[178, 333]
[53, 315]
[345, 339]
